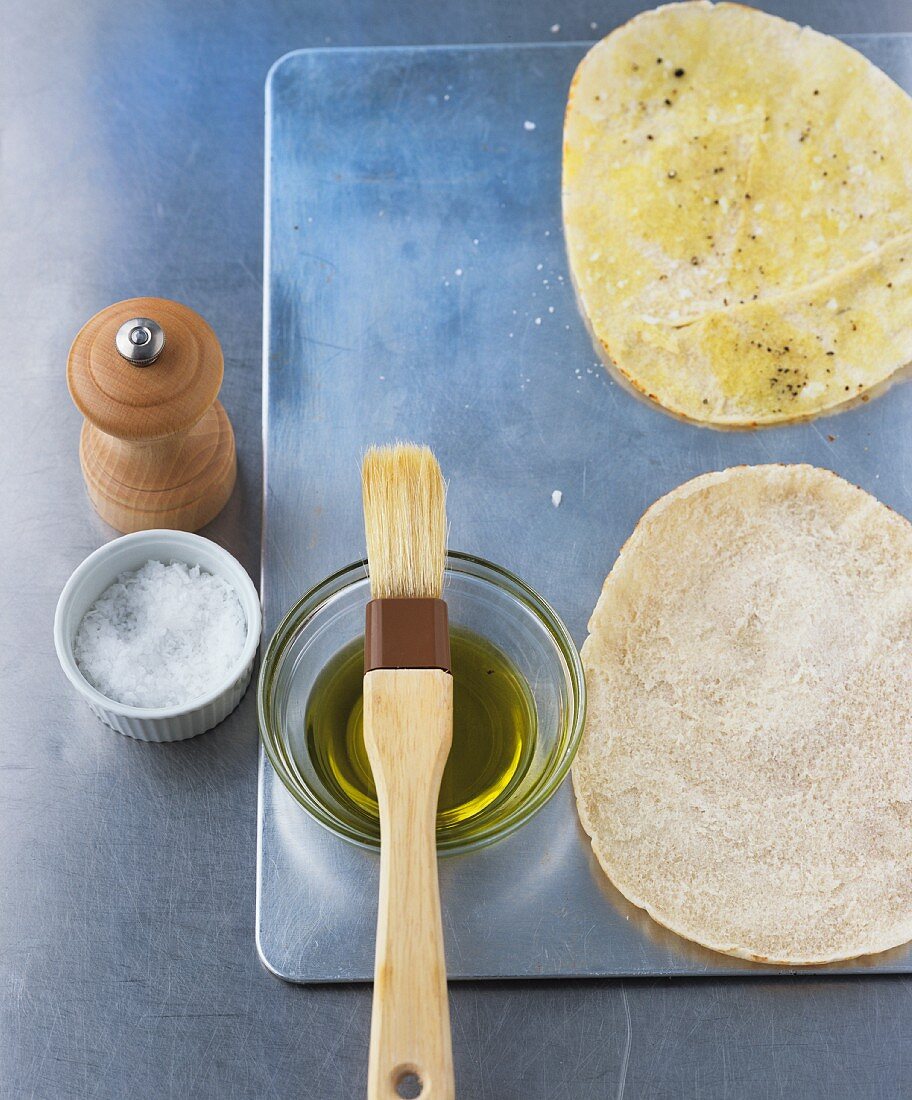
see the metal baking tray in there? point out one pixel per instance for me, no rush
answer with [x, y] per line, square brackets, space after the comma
[417, 287]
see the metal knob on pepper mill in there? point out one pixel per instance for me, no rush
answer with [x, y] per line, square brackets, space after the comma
[157, 448]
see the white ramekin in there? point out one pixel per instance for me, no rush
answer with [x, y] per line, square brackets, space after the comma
[101, 569]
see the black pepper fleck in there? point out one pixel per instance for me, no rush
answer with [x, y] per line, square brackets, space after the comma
[679, 72]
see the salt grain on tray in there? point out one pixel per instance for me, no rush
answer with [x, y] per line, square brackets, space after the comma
[161, 636]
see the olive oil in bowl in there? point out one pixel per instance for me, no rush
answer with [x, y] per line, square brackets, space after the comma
[494, 730]
[540, 670]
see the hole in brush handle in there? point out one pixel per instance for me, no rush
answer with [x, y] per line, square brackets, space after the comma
[407, 1082]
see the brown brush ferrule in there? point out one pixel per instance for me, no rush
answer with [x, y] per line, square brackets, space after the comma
[406, 634]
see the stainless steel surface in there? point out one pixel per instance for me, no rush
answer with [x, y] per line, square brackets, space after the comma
[140, 341]
[127, 963]
[453, 202]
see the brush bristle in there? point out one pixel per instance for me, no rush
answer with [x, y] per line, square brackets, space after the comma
[405, 521]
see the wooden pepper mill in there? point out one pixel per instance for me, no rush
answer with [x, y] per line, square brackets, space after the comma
[157, 448]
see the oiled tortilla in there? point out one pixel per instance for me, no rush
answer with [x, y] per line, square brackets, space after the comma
[746, 769]
[737, 197]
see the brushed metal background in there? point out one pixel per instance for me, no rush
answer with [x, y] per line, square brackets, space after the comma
[127, 959]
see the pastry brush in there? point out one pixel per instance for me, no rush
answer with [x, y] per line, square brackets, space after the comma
[408, 727]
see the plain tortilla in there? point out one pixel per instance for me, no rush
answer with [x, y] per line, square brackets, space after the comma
[737, 198]
[746, 770]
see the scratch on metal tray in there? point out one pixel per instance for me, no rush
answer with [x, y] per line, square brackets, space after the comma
[625, 1061]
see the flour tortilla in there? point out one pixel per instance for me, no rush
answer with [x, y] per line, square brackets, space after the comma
[746, 769]
[737, 197]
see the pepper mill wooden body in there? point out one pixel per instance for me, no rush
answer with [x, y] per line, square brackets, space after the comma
[157, 448]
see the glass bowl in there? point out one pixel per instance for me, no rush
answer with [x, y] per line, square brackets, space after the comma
[482, 598]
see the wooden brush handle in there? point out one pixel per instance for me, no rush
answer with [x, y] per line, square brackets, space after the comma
[408, 727]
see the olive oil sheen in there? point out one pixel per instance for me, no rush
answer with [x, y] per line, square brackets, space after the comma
[493, 731]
